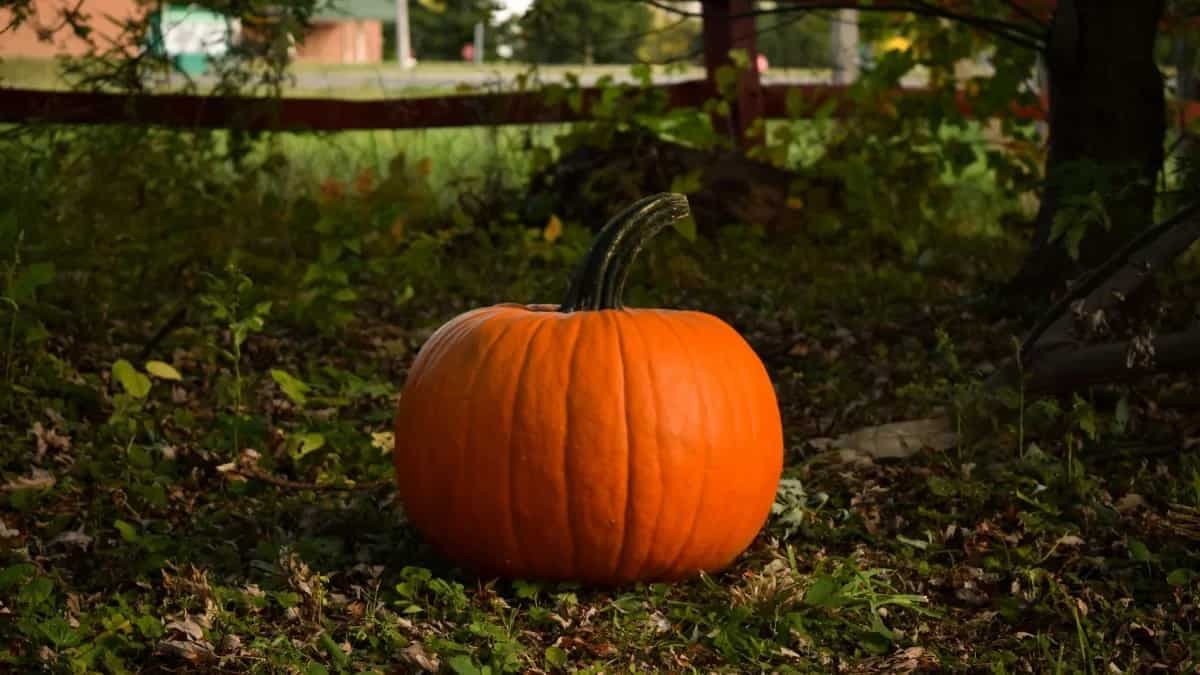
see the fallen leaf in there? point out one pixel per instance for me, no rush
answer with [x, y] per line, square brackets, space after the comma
[49, 438]
[188, 627]
[38, 479]
[72, 538]
[553, 229]
[385, 441]
[192, 652]
[231, 643]
[415, 654]
[1070, 540]
[899, 439]
[163, 370]
[798, 349]
[1130, 502]
[972, 596]
[913, 653]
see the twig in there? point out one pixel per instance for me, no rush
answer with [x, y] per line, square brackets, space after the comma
[247, 467]
[1023, 11]
[1184, 521]
[170, 326]
[1013, 32]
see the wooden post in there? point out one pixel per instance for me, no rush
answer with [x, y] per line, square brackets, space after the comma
[478, 43]
[725, 30]
[844, 42]
[403, 44]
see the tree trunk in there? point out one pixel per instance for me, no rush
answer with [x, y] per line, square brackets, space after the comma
[1107, 128]
[1185, 53]
[728, 25]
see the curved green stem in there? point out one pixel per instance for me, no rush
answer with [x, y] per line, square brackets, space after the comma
[600, 277]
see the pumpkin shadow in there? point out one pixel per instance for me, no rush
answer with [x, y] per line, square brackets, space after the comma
[350, 538]
[356, 529]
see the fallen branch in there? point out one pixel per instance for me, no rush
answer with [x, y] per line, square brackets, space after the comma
[1109, 362]
[1052, 359]
[1116, 279]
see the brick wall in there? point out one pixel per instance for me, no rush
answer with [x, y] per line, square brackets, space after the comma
[352, 41]
[27, 41]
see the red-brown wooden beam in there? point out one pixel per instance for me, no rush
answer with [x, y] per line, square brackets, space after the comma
[728, 26]
[23, 106]
[307, 114]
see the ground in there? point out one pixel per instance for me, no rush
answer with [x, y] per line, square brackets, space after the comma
[211, 490]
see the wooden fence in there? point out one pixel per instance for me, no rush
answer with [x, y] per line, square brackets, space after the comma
[308, 114]
[727, 25]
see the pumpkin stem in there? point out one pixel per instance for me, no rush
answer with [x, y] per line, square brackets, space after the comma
[600, 277]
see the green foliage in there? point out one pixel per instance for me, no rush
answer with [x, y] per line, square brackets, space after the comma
[1046, 534]
[583, 31]
[21, 284]
[440, 29]
[795, 40]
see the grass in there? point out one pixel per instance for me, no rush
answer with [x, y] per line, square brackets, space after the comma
[465, 156]
[1053, 535]
[30, 74]
[373, 81]
[45, 74]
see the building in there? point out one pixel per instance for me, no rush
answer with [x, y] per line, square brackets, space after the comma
[44, 34]
[347, 31]
[343, 31]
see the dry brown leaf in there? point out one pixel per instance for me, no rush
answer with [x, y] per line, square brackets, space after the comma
[231, 643]
[38, 479]
[49, 438]
[415, 654]
[1070, 540]
[192, 652]
[895, 440]
[189, 628]
[1130, 502]
[553, 229]
[72, 538]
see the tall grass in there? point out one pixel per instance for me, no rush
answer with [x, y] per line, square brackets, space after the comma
[461, 157]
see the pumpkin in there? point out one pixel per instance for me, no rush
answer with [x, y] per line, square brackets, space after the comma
[587, 441]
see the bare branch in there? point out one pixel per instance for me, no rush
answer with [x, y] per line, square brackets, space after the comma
[1024, 11]
[1015, 33]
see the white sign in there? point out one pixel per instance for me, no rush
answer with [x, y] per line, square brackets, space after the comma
[197, 31]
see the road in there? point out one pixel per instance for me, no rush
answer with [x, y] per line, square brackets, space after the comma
[432, 77]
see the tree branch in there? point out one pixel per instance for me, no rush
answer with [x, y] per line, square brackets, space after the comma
[1015, 33]
[1024, 11]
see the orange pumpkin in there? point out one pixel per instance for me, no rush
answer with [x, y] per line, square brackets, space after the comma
[586, 441]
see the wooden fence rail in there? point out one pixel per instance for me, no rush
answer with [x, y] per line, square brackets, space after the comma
[306, 114]
[728, 25]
